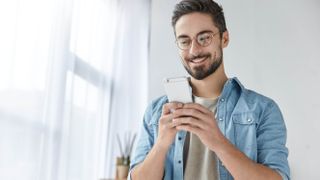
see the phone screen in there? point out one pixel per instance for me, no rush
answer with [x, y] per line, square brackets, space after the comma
[178, 89]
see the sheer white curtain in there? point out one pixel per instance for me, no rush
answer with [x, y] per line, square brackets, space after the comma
[72, 75]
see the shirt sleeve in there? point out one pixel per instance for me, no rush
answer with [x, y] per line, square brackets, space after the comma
[271, 139]
[145, 140]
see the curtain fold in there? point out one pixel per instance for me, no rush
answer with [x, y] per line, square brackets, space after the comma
[130, 83]
[73, 74]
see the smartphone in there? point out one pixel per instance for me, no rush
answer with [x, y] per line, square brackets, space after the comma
[178, 89]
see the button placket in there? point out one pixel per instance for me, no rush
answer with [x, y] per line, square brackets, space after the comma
[221, 113]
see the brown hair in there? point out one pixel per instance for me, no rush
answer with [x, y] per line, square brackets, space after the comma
[202, 6]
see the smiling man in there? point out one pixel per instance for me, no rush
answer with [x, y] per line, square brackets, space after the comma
[229, 132]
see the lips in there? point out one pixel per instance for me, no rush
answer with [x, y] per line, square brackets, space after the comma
[199, 60]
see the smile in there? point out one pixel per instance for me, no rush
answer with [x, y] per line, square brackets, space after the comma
[199, 60]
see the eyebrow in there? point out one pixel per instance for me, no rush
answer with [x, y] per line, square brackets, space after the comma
[201, 32]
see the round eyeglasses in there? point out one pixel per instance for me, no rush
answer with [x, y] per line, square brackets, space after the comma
[202, 39]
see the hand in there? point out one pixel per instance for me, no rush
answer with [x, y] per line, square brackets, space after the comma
[167, 130]
[201, 121]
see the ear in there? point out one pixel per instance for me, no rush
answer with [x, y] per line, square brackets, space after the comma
[225, 39]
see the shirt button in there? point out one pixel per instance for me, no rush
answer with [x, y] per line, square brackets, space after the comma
[179, 138]
[249, 120]
[179, 162]
[222, 100]
[220, 119]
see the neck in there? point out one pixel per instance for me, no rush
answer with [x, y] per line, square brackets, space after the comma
[211, 86]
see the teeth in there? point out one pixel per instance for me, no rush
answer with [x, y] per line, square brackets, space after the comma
[198, 60]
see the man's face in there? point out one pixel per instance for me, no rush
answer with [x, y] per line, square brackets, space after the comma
[200, 58]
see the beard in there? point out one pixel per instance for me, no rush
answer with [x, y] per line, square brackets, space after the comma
[201, 72]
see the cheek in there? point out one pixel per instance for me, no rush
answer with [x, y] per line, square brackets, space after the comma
[183, 55]
[214, 47]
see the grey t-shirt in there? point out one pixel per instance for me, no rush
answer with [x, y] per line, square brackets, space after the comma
[199, 162]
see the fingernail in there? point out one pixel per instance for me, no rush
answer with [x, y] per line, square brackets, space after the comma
[180, 105]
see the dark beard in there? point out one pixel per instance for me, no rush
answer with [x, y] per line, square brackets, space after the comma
[200, 73]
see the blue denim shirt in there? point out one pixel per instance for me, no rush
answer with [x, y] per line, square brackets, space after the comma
[250, 121]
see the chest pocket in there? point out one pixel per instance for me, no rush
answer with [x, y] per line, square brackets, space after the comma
[245, 133]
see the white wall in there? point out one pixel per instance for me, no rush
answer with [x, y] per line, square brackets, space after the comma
[275, 50]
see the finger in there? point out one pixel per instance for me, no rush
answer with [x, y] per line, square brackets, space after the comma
[169, 107]
[197, 106]
[166, 118]
[189, 121]
[189, 128]
[169, 125]
[183, 112]
[167, 121]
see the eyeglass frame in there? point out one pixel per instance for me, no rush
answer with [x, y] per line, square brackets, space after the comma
[212, 34]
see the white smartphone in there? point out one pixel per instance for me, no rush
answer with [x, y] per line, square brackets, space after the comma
[178, 89]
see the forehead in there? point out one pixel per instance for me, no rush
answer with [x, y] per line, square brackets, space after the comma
[193, 23]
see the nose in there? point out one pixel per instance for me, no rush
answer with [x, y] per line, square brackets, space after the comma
[195, 48]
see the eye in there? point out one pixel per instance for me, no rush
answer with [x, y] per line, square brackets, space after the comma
[184, 41]
[204, 39]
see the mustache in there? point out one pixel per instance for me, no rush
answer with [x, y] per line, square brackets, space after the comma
[191, 58]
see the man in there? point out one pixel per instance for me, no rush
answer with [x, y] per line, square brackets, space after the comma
[228, 132]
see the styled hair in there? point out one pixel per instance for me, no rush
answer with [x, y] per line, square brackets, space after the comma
[202, 6]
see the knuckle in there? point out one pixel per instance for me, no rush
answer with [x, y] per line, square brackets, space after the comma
[193, 112]
[175, 121]
[177, 112]
[165, 106]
